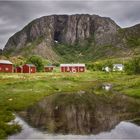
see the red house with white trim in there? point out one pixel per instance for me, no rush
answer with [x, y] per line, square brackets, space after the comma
[29, 68]
[6, 66]
[72, 68]
[48, 68]
[18, 69]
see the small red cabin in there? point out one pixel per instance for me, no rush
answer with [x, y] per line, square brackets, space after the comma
[48, 68]
[6, 66]
[18, 69]
[72, 68]
[29, 68]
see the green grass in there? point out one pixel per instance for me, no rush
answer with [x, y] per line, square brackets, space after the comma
[19, 91]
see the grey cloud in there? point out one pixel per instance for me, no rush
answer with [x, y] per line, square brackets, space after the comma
[14, 15]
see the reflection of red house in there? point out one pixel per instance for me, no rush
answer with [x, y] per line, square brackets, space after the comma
[18, 69]
[6, 66]
[72, 68]
[48, 68]
[29, 68]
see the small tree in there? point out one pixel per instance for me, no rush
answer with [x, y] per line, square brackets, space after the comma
[37, 61]
[133, 66]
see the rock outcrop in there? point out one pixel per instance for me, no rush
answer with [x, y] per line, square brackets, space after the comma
[64, 29]
[0, 51]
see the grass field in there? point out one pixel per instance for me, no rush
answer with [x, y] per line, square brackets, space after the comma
[19, 91]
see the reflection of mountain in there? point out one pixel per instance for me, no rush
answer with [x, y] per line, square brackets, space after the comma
[81, 113]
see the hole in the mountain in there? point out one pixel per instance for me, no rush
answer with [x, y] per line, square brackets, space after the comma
[57, 36]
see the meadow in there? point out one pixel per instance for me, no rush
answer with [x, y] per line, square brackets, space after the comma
[19, 91]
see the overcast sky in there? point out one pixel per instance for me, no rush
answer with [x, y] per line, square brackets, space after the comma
[14, 15]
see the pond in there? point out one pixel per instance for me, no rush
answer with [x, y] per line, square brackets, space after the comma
[80, 115]
[124, 130]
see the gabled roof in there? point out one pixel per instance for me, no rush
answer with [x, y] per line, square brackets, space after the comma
[81, 65]
[5, 62]
[30, 65]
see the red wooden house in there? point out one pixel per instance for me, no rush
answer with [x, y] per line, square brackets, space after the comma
[6, 66]
[18, 69]
[29, 68]
[72, 68]
[48, 68]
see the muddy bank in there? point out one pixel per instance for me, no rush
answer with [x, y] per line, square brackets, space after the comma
[81, 113]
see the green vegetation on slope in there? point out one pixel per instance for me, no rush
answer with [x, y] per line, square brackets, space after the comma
[133, 41]
[133, 66]
[26, 50]
[87, 52]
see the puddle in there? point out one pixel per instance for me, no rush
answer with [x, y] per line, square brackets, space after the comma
[107, 87]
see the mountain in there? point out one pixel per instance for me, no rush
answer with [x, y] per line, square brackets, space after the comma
[79, 37]
[0, 51]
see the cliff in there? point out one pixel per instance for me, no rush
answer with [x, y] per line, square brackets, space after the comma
[44, 35]
[0, 51]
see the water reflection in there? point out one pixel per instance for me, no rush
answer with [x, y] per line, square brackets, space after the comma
[124, 130]
[77, 113]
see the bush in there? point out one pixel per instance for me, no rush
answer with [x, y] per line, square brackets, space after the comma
[98, 66]
[133, 66]
[37, 61]
[2, 134]
[6, 129]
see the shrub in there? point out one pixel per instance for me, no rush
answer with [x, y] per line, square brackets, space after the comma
[98, 66]
[37, 61]
[133, 66]
[2, 134]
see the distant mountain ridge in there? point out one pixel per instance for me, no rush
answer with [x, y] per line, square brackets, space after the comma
[83, 36]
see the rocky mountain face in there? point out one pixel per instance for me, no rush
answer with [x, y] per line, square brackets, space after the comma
[42, 35]
[0, 51]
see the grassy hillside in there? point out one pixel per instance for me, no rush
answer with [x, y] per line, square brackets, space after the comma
[88, 52]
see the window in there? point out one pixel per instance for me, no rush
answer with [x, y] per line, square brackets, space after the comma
[6, 69]
[0, 68]
[81, 69]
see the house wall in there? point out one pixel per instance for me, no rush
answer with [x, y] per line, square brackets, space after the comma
[32, 69]
[18, 70]
[6, 68]
[62, 69]
[72, 69]
[25, 69]
[81, 69]
[48, 69]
